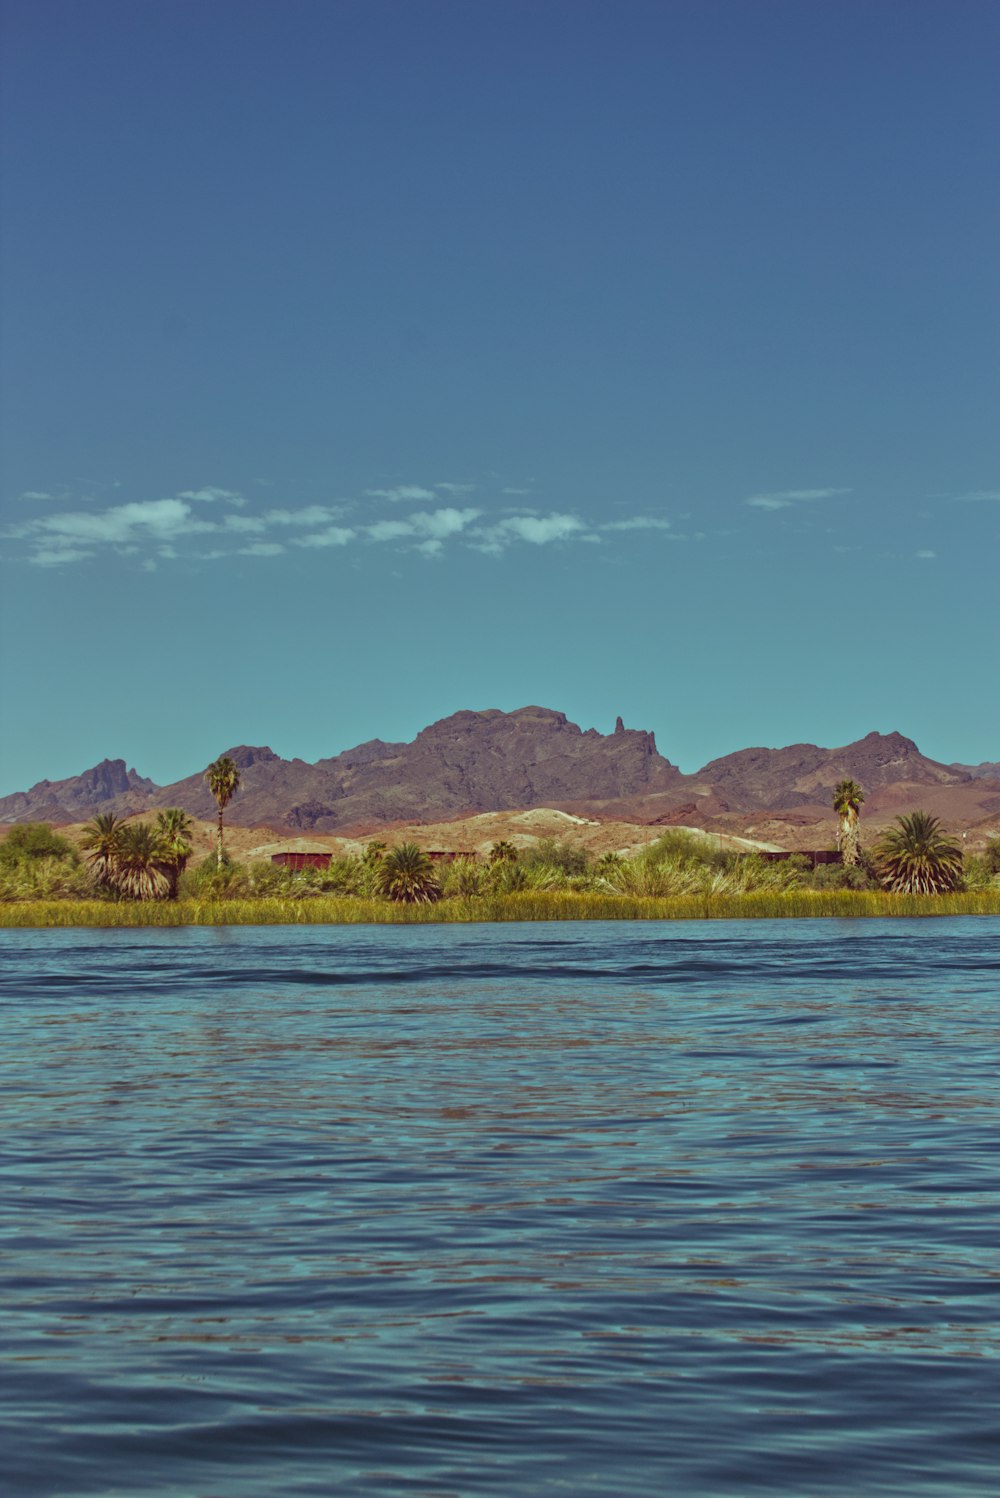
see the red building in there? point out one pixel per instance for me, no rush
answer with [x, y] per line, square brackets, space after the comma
[302, 860]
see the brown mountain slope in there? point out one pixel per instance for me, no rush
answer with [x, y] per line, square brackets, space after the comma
[109, 786]
[988, 770]
[477, 762]
[470, 762]
[766, 778]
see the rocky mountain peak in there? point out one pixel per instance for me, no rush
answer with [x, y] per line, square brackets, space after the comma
[245, 755]
[489, 760]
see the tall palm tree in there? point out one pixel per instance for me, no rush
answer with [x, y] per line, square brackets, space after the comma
[139, 871]
[223, 781]
[916, 857]
[101, 842]
[407, 874]
[173, 828]
[847, 799]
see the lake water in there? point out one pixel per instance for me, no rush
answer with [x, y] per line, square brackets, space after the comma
[621, 1209]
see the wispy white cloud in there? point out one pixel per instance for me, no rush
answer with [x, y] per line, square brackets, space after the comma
[541, 529]
[152, 518]
[334, 535]
[424, 525]
[244, 524]
[401, 492]
[262, 549]
[782, 499]
[34, 494]
[925, 556]
[308, 515]
[441, 524]
[149, 532]
[978, 496]
[389, 530]
[58, 556]
[210, 494]
[637, 523]
[537, 530]
[511, 490]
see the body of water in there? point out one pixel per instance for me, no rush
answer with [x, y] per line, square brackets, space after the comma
[598, 1209]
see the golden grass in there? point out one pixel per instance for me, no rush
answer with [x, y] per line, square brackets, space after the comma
[536, 905]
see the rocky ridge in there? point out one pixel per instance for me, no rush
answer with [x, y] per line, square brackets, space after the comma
[491, 761]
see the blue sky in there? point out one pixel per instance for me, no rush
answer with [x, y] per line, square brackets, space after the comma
[365, 360]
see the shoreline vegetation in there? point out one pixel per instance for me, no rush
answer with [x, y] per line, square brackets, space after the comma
[537, 905]
[136, 874]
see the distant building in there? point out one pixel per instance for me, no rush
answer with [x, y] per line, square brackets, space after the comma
[301, 860]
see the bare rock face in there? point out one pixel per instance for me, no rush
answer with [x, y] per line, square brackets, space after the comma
[469, 762]
[762, 779]
[988, 770]
[532, 757]
[475, 762]
[109, 786]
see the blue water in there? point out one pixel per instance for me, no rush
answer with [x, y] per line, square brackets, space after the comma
[686, 1208]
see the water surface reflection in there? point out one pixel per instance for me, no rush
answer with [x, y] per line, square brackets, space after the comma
[608, 1209]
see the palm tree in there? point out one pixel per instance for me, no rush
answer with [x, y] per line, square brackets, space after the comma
[917, 858]
[139, 870]
[223, 781]
[503, 852]
[173, 828]
[847, 799]
[407, 874]
[101, 842]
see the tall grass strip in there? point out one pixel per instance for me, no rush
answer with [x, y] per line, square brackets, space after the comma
[528, 905]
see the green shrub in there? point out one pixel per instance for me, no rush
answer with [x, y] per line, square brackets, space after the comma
[978, 873]
[27, 840]
[841, 876]
[37, 878]
[505, 878]
[546, 876]
[209, 880]
[350, 876]
[550, 854]
[464, 877]
[677, 844]
[748, 871]
[37, 864]
[648, 878]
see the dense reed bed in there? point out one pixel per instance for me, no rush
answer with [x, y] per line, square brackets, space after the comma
[535, 905]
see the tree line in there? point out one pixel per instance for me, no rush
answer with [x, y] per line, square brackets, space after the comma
[149, 861]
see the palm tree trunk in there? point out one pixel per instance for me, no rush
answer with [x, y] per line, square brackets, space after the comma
[850, 841]
[219, 845]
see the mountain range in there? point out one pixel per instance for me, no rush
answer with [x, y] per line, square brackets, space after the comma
[474, 762]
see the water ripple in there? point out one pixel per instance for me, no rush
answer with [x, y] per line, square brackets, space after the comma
[709, 1208]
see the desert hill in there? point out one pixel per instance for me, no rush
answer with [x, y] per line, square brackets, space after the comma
[478, 763]
[471, 835]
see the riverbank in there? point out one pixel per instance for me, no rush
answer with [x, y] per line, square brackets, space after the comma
[532, 906]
